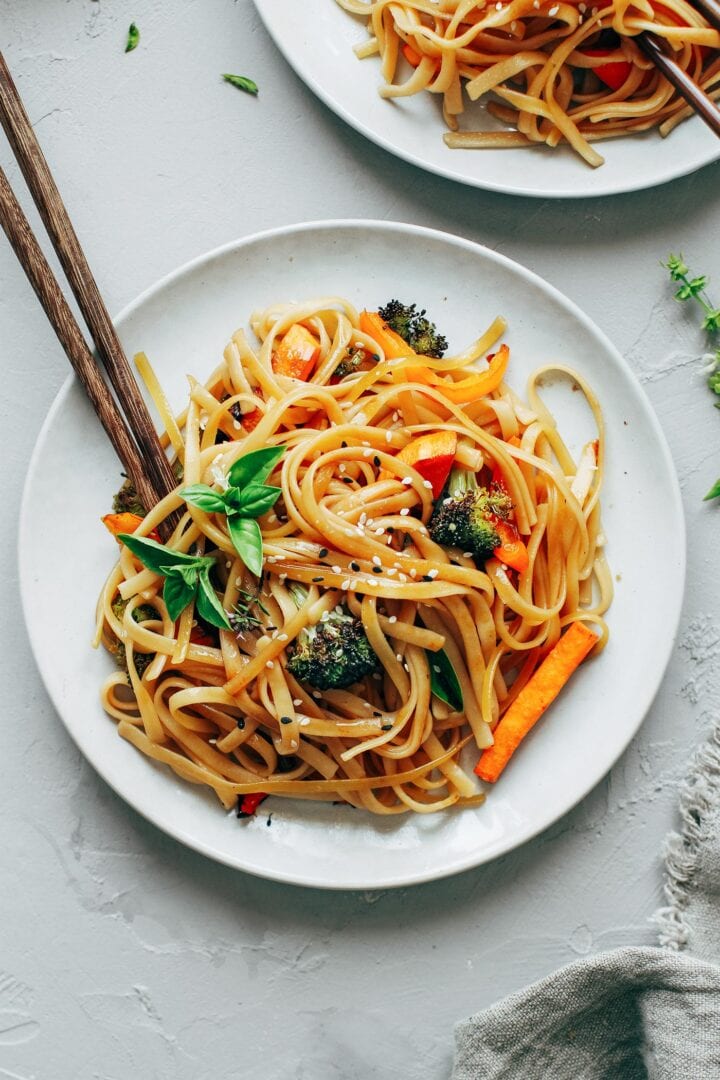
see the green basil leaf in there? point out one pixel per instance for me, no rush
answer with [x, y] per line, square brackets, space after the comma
[154, 555]
[205, 498]
[713, 492]
[242, 83]
[208, 606]
[189, 574]
[247, 541]
[177, 594]
[443, 680]
[133, 38]
[255, 467]
[254, 500]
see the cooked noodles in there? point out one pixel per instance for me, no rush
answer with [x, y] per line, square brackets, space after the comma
[453, 637]
[553, 71]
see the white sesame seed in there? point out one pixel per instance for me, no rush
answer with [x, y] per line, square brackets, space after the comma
[391, 571]
[395, 417]
[370, 522]
[269, 664]
[353, 584]
[228, 564]
[427, 484]
[433, 573]
[297, 701]
[345, 584]
[282, 637]
[388, 436]
[413, 572]
[498, 6]
[379, 532]
[281, 577]
[342, 466]
[377, 560]
[362, 519]
[316, 694]
[406, 668]
[377, 676]
[349, 532]
[336, 569]
[392, 619]
[467, 554]
[436, 668]
[446, 502]
[402, 577]
[553, 10]
[405, 511]
[238, 581]
[406, 480]
[513, 26]
[237, 425]
[367, 453]
[398, 656]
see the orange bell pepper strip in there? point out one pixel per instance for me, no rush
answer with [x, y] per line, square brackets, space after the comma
[126, 523]
[296, 354]
[512, 551]
[469, 389]
[432, 455]
[391, 343]
[250, 420]
[539, 692]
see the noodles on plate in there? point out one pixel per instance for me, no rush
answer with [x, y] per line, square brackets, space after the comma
[552, 71]
[444, 638]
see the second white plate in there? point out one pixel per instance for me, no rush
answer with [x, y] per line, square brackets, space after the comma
[317, 37]
[183, 324]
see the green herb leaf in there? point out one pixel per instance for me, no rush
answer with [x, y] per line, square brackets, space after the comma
[253, 500]
[444, 682]
[713, 492]
[189, 574]
[133, 38]
[711, 322]
[156, 556]
[208, 606]
[178, 592]
[255, 467]
[247, 541]
[205, 498]
[242, 83]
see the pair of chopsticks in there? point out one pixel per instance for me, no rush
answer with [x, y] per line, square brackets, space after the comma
[133, 435]
[707, 109]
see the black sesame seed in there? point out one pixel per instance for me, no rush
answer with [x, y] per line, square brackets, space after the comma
[286, 719]
[377, 714]
[426, 577]
[240, 723]
[318, 579]
[347, 480]
[343, 444]
[387, 727]
[323, 552]
[376, 462]
[377, 569]
[355, 566]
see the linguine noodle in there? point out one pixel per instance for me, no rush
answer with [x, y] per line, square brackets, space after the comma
[557, 71]
[221, 708]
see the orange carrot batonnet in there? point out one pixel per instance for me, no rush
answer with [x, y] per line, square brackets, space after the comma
[532, 701]
[296, 354]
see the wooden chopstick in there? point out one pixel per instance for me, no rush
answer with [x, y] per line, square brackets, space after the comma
[37, 175]
[22, 239]
[703, 105]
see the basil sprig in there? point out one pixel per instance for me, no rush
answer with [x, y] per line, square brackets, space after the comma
[187, 577]
[444, 682]
[247, 497]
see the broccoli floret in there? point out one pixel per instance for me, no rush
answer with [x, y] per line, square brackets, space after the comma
[414, 327]
[334, 653]
[141, 613]
[466, 514]
[127, 501]
[356, 359]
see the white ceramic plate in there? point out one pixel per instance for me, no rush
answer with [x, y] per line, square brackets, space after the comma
[183, 323]
[316, 37]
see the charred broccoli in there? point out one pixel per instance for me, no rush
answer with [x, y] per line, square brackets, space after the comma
[356, 359]
[141, 613]
[334, 653]
[465, 517]
[414, 327]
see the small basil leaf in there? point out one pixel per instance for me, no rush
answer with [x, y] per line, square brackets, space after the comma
[255, 467]
[177, 594]
[247, 541]
[189, 574]
[242, 83]
[443, 680]
[254, 500]
[713, 492]
[202, 496]
[208, 606]
[133, 38]
[154, 555]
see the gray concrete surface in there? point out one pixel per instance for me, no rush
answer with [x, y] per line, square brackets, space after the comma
[124, 956]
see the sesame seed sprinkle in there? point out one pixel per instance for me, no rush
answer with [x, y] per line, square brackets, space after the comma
[269, 664]
[392, 619]
[407, 481]
[405, 511]
[433, 574]
[377, 560]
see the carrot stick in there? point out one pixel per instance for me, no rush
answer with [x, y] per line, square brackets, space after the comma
[532, 701]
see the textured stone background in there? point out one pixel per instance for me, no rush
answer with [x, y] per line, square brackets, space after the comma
[123, 956]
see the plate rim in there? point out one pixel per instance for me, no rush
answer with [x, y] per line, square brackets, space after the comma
[470, 860]
[376, 137]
